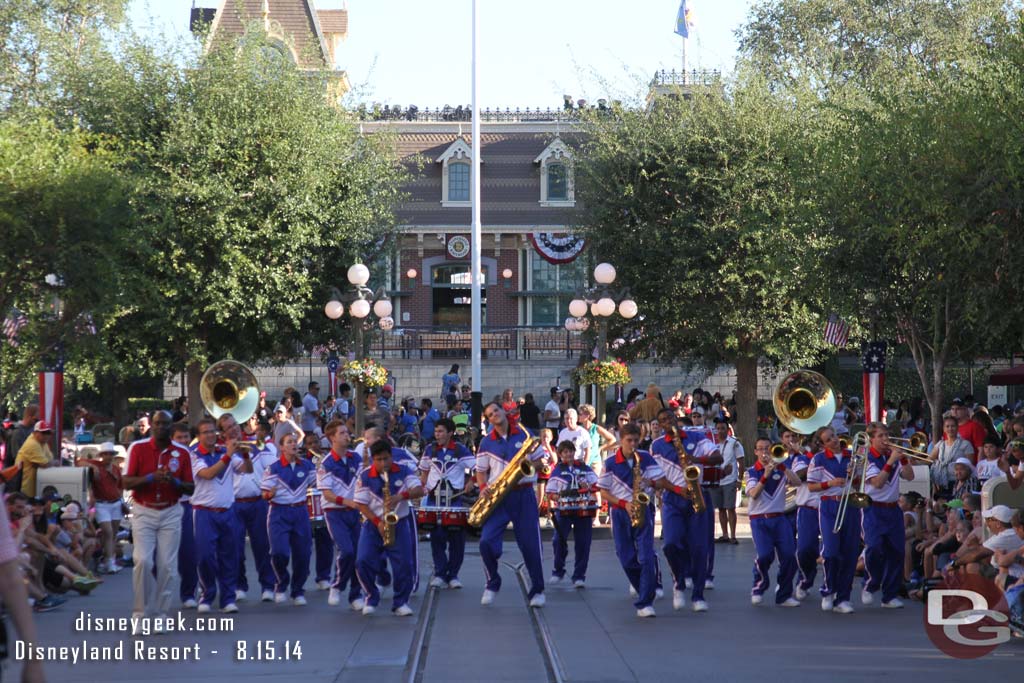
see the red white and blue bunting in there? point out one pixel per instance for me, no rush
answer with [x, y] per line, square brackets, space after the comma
[556, 247]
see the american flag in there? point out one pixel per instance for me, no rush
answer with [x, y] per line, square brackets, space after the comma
[873, 358]
[51, 394]
[14, 321]
[837, 332]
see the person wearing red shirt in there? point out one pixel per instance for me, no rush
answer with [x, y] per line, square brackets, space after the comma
[106, 491]
[159, 471]
[968, 429]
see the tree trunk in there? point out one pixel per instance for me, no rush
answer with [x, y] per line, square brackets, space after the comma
[122, 414]
[746, 403]
[193, 375]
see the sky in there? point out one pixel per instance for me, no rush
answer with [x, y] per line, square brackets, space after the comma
[531, 51]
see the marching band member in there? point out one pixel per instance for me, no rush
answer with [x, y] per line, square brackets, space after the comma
[807, 535]
[685, 536]
[402, 457]
[402, 485]
[337, 477]
[187, 568]
[285, 484]
[634, 545]
[519, 506]
[444, 465]
[772, 532]
[213, 469]
[578, 480]
[708, 457]
[884, 526]
[827, 473]
[323, 546]
[251, 515]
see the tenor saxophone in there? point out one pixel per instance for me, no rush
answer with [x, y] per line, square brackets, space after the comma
[638, 506]
[517, 469]
[390, 516]
[690, 472]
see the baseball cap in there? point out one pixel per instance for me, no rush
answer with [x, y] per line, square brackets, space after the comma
[388, 388]
[965, 462]
[280, 408]
[70, 511]
[956, 503]
[958, 401]
[42, 426]
[1001, 512]
[263, 394]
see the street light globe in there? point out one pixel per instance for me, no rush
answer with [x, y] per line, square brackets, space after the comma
[382, 309]
[604, 274]
[577, 308]
[507, 273]
[627, 309]
[582, 324]
[411, 273]
[360, 308]
[387, 323]
[334, 309]
[358, 275]
[570, 324]
[605, 307]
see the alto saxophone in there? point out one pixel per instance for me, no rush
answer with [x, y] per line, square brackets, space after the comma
[390, 516]
[638, 506]
[690, 472]
[518, 468]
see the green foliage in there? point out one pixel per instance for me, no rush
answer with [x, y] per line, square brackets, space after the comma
[149, 404]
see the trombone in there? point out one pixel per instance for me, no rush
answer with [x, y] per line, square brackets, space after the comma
[858, 497]
[780, 453]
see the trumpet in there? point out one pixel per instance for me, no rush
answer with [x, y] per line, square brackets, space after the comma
[780, 453]
[845, 442]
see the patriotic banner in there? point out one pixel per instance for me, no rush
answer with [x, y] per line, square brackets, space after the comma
[13, 323]
[556, 247]
[873, 359]
[333, 363]
[837, 332]
[51, 397]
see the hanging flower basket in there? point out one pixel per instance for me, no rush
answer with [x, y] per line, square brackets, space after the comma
[366, 372]
[603, 373]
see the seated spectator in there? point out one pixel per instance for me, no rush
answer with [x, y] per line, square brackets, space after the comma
[966, 481]
[29, 559]
[982, 560]
[1011, 562]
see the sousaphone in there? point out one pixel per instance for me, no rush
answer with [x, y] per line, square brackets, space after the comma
[230, 388]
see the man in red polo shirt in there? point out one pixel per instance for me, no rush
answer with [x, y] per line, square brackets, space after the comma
[159, 471]
[106, 490]
[969, 429]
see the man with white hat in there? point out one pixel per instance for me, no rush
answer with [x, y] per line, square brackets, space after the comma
[997, 521]
[33, 454]
[965, 480]
[106, 490]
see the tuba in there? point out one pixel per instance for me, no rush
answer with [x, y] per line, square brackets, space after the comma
[518, 468]
[387, 536]
[229, 388]
[804, 401]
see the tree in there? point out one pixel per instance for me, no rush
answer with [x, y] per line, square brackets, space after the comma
[914, 105]
[64, 217]
[693, 201]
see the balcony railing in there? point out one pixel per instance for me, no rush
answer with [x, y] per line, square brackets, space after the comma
[692, 77]
[496, 342]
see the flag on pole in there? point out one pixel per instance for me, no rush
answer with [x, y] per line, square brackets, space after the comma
[333, 363]
[837, 332]
[13, 323]
[684, 20]
[51, 396]
[873, 360]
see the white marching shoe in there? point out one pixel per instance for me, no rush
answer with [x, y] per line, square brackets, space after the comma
[895, 603]
[455, 584]
[368, 610]
[678, 599]
[357, 605]
[756, 599]
[700, 606]
[843, 608]
[866, 598]
[488, 597]
[438, 582]
[827, 603]
[538, 600]
[790, 602]
[334, 597]
[799, 593]
[403, 611]
[645, 612]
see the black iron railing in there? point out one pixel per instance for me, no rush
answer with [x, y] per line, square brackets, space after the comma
[495, 342]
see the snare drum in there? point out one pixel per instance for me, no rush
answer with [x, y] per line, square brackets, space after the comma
[583, 505]
[315, 507]
[426, 519]
[455, 517]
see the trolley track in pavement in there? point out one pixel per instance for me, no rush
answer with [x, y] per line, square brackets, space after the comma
[552, 662]
[421, 638]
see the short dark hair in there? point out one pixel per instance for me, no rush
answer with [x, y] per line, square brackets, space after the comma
[313, 385]
[566, 446]
[343, 387]
[207, 421]
[427, 402]
[630, 428]
[381, 446]
[15, 496]
[447, 423]
[555, 390]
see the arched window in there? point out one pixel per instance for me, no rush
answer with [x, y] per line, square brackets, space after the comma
[558, 182]
[458, 182]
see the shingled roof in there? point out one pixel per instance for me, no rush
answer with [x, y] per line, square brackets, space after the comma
[509, 182]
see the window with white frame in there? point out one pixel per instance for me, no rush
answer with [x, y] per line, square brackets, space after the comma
[456, 173]
[553, 286]
[556, 182]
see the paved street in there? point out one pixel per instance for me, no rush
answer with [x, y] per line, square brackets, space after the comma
[595, 633]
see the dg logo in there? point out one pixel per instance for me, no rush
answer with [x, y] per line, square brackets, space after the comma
[966, 617]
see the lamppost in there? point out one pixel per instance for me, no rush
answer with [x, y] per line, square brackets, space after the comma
[601, 303]
[362, 301]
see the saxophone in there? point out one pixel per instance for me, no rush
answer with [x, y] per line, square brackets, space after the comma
[638, 506]
[390, 516]
[518, 468]
[690, 472]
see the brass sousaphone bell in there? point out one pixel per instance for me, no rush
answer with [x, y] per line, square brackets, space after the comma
[230, 388]
[804, 401]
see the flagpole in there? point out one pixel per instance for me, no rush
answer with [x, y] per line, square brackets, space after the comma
[476, 236]
[685, 39]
